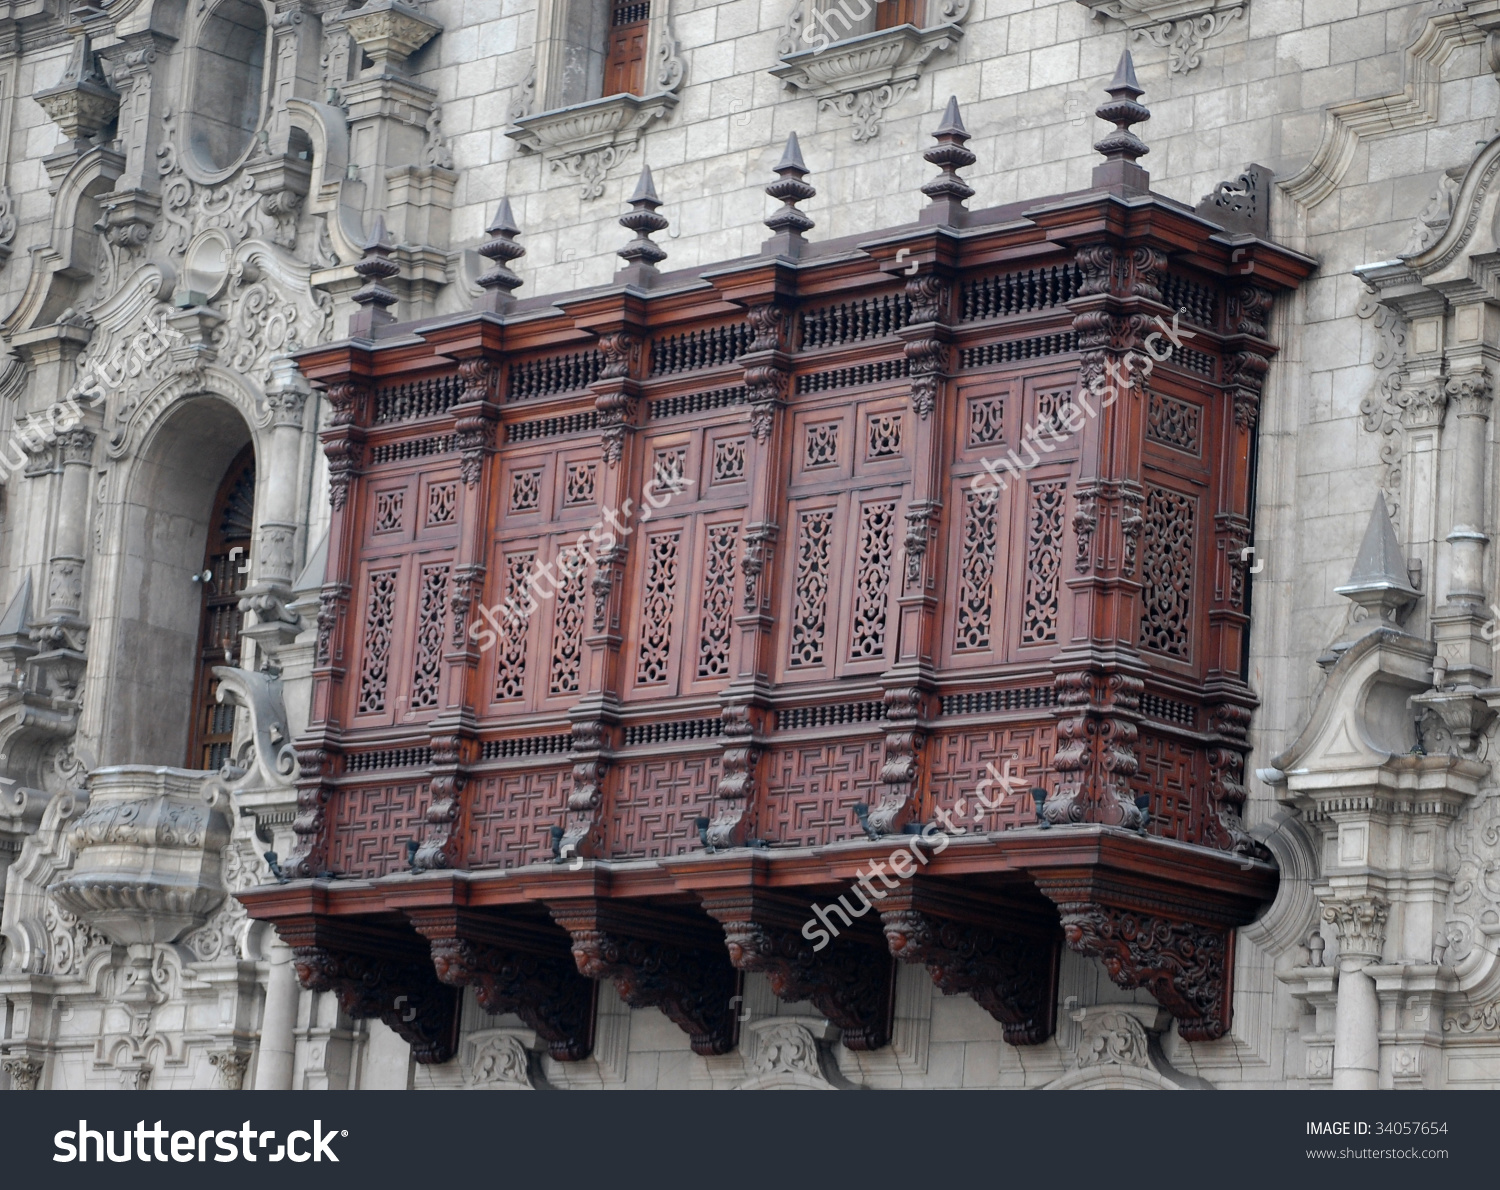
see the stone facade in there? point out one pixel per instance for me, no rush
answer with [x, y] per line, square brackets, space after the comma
[185, 191]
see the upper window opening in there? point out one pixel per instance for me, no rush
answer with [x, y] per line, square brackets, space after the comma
[229, 63]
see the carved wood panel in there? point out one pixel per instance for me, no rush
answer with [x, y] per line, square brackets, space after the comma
[812, 788]
[371, 826]
[511, 816]
[957, 762]
[1171, 773]
[656, 803]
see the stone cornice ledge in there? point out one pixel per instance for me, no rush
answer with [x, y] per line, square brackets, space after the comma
[863, 76]
[586, 139]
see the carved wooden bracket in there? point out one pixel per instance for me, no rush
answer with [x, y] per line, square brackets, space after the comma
[980, 948]
[851, 981]
[657, 960]
[1186, 965]
[377, 973]
[526, 971]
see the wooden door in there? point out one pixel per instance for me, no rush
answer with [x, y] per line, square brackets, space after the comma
[625, 65]
[226, 560]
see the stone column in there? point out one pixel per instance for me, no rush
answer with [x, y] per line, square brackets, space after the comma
[276, 489]
[1360, 923]
[75, 450]
[278, 1043]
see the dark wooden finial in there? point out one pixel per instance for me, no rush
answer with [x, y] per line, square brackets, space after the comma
[376, 267]
[501, 248]
[641, 254]
[1121, 147]
[790, 187]
[948, 191]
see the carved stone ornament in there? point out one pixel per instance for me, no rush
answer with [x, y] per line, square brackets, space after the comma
[25, 1073]
[860, 77]
[1113, 1039]
[231, 1065]
[1182, 27]
[587, 140]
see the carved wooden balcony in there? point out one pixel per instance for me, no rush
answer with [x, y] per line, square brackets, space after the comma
[813, 648]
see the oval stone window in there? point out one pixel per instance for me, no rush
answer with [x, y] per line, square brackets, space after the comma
[229, 62]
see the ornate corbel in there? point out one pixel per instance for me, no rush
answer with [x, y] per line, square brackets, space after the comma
[850, 981]
[657, 962]
[344, 439]
[514, 970]
[907, 709]
[970, 947]
[616, 398]
[760, 545]
[317, 766]
[378, 974]
[592, 755]
[1181, 27]
[1185, 965]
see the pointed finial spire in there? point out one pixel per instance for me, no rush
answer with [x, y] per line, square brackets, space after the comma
[376, 267]
[1122, 147]
[641, 254]
[790, 187]
[948, 191]
[501, 248]
[1380, 580]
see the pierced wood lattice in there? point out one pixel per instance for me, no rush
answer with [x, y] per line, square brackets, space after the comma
[375, 664]
[810, 610]
[427, 666]
[716, 620]
[1170, 532]
[883, 436]
[729, 460]
[510, 664]
[388, 510]
[1174, 423]
[872, 579]
[567, 634]
[658, 608]
[976, 575]
[578, 487]
[526, 490]
[986, 420]
[821, 445]
[1044, 561]
[442, 504]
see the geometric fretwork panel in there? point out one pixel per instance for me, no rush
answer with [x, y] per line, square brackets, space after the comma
[1168, 774]
[1167, 571]
[958, 761]
[657, 803]
[812, 788]
[371, 827]
[512, 814]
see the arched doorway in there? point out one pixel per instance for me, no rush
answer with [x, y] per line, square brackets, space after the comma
[172, 524]
[226, 565]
